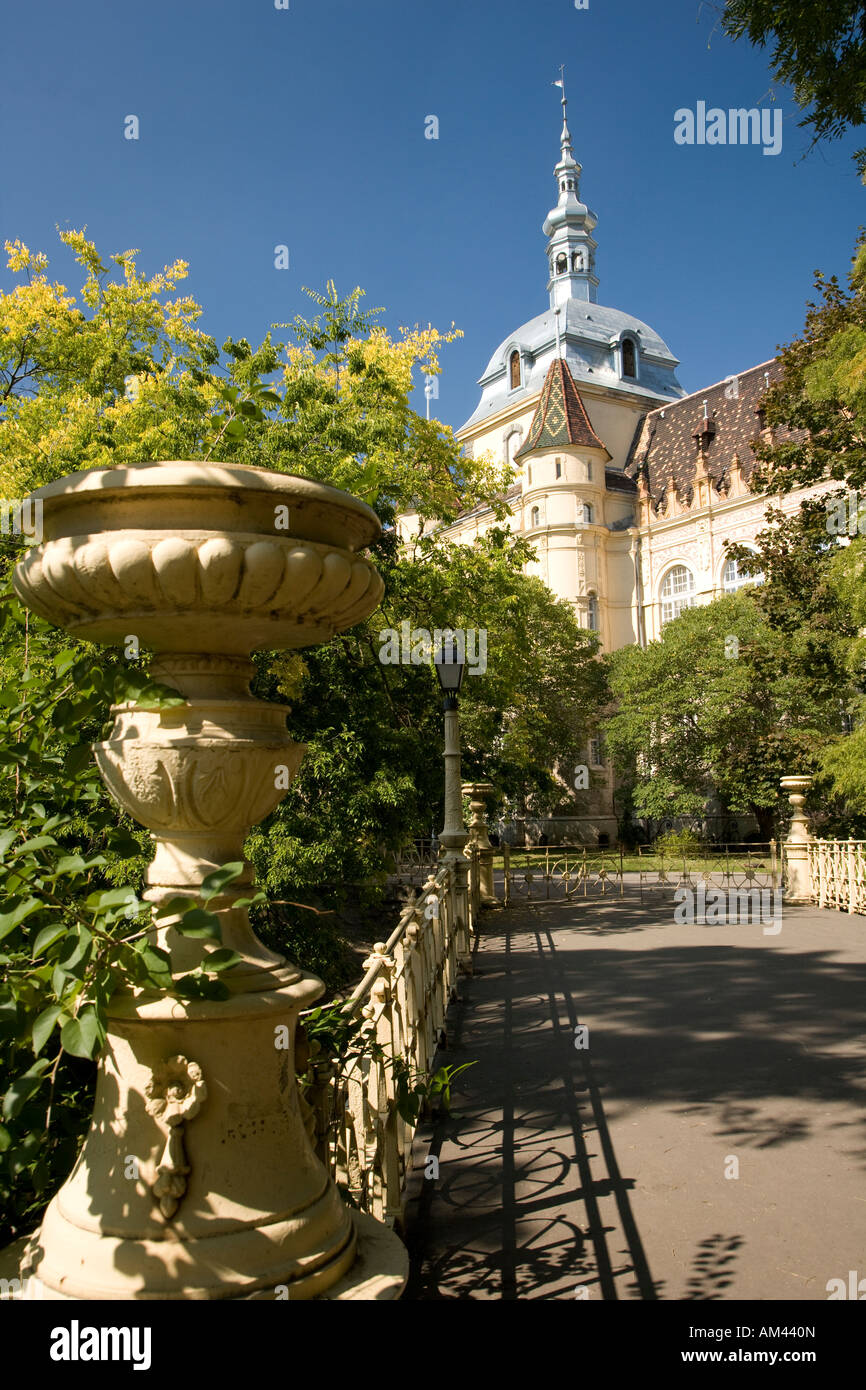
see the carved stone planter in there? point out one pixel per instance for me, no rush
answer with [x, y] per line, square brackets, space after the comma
[197, 1179]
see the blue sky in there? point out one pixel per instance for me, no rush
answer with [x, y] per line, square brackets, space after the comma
[305, 127]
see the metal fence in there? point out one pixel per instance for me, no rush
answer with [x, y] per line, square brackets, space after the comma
[732, 866]
[560, 871]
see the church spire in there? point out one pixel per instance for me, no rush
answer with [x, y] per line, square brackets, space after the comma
[569, 226]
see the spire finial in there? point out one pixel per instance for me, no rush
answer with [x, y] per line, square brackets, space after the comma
[565, 139]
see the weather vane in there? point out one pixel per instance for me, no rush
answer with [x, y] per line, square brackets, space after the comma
[560, 82]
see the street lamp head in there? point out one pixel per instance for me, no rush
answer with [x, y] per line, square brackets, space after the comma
[450, 662]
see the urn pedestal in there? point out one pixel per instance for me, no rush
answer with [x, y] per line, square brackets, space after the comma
[197, 1178]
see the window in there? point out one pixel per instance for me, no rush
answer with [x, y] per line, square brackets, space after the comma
[629, 358]
[529, 473]
[678, 592]
[577, 261]
[559, 468]
[596, 758]
[512, 444]
[561, 264]
[587, 513]
[535, 517]
[733, 577]
[514, 364]
[592, 614]
[588, 471]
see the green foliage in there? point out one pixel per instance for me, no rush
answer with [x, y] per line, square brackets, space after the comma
[819, 49]
[717, 704]
[814, 589]
[678, 844]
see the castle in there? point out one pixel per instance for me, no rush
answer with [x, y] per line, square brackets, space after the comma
[626, 487]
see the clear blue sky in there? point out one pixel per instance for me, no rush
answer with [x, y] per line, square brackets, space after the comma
[305, 126]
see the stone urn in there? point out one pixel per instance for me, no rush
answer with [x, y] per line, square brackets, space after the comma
[795, 848]
[203, 564]
[477, 792]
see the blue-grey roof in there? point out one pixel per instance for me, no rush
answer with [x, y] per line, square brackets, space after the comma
[589, 333]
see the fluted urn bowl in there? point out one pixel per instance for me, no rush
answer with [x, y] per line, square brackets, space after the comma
[197, 557]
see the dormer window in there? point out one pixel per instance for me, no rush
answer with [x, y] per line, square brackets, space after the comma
[514, 370]
[561, 264]
[629, 358]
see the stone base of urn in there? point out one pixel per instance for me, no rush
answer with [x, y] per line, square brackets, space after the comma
[198, 1179]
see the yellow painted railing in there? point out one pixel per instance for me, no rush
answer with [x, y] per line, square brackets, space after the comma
[402, 1001]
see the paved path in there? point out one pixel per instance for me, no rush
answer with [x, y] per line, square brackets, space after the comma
[710, 1047]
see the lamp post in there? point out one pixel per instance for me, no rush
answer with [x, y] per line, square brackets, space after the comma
[450, 665]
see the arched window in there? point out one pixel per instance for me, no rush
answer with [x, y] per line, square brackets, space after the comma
[561, 264]
[514, 367]
[577, 261]
[512, 444]
[587, 513]
[592, 614]
[629, 358]
[535, 517]
[678, 592]
[733, 577]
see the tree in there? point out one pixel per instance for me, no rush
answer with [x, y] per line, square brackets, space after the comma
[714, 706]
[814, 589]
[820, 49]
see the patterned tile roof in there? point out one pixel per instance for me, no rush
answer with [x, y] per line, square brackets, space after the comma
[560, 417]
[668, 441]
